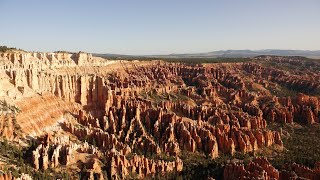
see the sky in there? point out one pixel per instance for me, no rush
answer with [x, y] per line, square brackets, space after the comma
[159, 27]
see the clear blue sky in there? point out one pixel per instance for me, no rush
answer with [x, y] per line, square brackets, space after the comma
[159, 26]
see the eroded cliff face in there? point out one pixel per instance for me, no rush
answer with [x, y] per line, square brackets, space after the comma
[261, 168]
[137, 118]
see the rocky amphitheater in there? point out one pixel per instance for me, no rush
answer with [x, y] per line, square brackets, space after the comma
[91, 118]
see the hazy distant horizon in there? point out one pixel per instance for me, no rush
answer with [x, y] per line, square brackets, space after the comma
[160, 27]
[254, 50]
[164, 54]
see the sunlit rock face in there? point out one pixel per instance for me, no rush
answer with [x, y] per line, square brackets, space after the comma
[261, 168]
[135, 117]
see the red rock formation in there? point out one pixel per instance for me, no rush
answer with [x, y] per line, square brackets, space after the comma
[8, 126]
[259, 168]
[150, 109]
[302, 172]
[58, 151]
[122, 167]
[6, 176]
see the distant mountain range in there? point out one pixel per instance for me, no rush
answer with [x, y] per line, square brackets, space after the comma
[230, 53]
[252, 53]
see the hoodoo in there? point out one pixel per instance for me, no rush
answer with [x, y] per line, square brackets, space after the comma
[98, 118]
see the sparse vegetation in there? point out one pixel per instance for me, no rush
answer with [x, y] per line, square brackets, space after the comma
[4, 106]
[191, 60]
[16, 162]
[5, 49]
[157, 98]
[62, 51]
[199, 166]
[302, 146]
[282, 91]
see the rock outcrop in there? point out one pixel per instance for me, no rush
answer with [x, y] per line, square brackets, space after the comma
[260, 168]
[59, 151]
[130, 113]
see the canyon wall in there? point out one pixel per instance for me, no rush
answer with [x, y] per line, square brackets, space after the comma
[140, 117]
